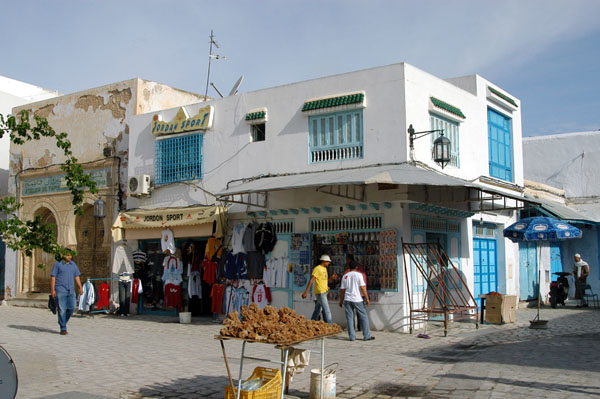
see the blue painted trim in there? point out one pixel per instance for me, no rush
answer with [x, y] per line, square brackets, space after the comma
[351, 207]
[262, 213]
[316, 210]
[330, 138]
[283, 211]
[498, 148]
[305, 210]
[388, 205]
[374, 205]
[362, 206]
[273, 212]
[328, 209]
[294, 211]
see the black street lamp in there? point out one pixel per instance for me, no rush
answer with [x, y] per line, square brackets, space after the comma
[441, 145]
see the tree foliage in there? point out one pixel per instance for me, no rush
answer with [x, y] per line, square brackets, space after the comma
[28, 235]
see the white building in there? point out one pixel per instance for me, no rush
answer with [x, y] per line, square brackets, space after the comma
[328, 162]
[567, 165]
[13, 93]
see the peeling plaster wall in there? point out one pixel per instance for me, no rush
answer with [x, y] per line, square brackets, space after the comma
[154, 96]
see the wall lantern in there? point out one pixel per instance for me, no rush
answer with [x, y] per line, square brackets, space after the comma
[441, 145]
[99, 208]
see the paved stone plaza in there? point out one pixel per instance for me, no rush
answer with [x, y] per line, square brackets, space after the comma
[156, 357]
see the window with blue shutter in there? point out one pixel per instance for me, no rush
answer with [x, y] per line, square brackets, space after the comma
[336, 136]
[178, 159]
[500, 146]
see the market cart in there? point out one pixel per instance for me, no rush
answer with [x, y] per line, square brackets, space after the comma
[284, 348]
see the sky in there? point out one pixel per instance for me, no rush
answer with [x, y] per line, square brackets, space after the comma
[546, 52]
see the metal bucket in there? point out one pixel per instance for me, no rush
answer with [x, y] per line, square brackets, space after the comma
[329, 378]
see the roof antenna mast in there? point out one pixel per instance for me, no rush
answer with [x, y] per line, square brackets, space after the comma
[210, 57]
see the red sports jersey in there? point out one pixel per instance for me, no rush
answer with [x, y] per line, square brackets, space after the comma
[103, 292]
[135, 288]
[216, 295]
[210, 270]
[261, 295]
[173, 296]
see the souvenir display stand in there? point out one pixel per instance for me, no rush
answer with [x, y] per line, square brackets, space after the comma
[284, 348]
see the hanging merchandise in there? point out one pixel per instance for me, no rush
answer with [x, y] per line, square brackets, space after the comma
[213, 248]
[236, 266]
[136, 290]
[261, 295]
[275, 274]
[256, 264]
[87, 299]
[173, 296]
[167, 241]
[237, 238]
[265, 237]
[210, 270]
[217, 293]
[195, 285]
[248, 238]
[172, 270]
[103, 292]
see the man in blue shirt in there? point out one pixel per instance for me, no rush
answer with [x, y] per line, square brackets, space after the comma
[62, 288]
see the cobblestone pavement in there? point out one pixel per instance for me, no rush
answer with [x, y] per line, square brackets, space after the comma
[156, 357]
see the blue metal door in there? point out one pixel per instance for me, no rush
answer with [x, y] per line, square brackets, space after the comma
[555, 261]
[528, 278]
[485, 267]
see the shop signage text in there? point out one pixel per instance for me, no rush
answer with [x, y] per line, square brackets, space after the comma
[182, 123]
[57, 184]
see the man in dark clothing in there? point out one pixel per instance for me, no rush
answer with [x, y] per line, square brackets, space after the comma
[64, 275]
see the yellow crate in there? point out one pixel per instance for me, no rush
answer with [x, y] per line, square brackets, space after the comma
[271, 389]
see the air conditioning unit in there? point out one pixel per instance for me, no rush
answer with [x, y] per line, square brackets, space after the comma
[138, 185]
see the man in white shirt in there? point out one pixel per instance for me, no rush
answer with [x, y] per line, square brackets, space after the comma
[352, 291]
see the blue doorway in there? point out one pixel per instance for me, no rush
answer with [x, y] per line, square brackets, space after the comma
[485, 267]
[555, 260]
[528, 278]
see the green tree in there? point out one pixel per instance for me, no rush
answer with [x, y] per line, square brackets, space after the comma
[28, 235]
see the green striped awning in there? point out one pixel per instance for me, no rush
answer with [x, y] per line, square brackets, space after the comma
[503, 96]
[256, 115]
[355, 98]
[447, 107]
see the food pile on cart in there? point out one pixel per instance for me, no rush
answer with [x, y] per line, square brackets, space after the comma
[274, 326]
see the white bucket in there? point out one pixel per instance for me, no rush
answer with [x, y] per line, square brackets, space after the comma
[185, 317]
[328, 383]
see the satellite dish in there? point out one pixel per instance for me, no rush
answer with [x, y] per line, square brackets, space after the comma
[236, 86]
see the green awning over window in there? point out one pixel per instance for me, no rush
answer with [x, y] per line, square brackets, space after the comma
[255, 115]
[447, 107]
[355, 98]
[503, 96]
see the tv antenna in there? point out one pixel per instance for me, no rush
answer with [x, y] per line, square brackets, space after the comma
[210, 58]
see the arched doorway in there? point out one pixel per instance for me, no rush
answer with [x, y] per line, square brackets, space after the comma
[41, 275]
[91, 257]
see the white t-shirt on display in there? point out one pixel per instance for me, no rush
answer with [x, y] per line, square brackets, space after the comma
[351, 282]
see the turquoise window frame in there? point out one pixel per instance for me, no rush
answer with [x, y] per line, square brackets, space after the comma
[336, 136]
[178, 159]
[452, 132]
[500, 143]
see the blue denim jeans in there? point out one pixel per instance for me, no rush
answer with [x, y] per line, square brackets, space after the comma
[66, 307]
[322, 303]
[361, 311]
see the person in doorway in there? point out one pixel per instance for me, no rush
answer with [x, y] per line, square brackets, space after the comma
[352, 292]
[320, 279]
[359, 268]
[580, 271]
[62, 287]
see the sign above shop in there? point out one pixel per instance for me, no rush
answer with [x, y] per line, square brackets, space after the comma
[57, 184]
[169, 217]
[183, 123]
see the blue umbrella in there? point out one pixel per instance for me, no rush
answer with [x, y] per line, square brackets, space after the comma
[540, 228]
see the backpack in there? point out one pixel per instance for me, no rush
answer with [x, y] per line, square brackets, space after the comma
[265, 237]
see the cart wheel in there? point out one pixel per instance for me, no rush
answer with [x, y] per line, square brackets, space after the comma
[445, 333]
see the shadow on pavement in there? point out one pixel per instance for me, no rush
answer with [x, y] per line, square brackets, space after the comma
[34, 329]
[197, 387]
[74, 395]
[557, 387]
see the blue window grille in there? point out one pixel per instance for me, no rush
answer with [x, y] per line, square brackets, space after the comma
[451, 132]
[500, 146]
[178, 159]
[336, 136]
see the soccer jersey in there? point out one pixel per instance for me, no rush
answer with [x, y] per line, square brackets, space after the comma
[261, 295]
[173, 296]
[216, 295]
[103, 292]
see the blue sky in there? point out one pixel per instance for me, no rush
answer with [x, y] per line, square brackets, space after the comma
[546, 53]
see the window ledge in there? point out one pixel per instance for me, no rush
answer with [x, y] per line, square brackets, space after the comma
[501, 100]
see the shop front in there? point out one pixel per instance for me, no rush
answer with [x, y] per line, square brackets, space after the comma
[168, 248]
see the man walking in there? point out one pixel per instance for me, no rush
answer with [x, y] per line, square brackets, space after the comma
[581, 271]
[320, 279]
[62, 288]
[352, 291]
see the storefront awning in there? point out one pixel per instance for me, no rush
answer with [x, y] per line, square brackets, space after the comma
[169, 217]
[392, 174]
[562, 212]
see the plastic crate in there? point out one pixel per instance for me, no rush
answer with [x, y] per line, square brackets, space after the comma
[270, 389]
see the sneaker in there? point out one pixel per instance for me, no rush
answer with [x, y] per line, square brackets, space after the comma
[371, 338]
[63, 332]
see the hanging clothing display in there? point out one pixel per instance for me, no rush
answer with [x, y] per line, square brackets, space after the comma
[236, 266]
[103, 293]
[256, 264]
[237, 238]
[276, 272]
[173, 296]
[213, 248]
[139, 256]
[167, 241]
[210, 270]
[136, 290]
[194, 285]
[261, 295]
[248, 237]
[216, 295]
[122, 260]
[87, 299]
